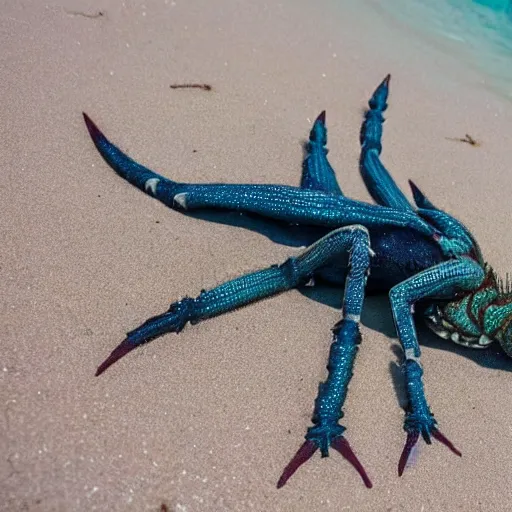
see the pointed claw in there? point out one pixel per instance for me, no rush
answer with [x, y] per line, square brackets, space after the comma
[416, 192]
[321, 117]
[318, 132]
[120, 351]
[173, 320]
[443, 439]
[412, 439]
[341, 445]
[420, 198]
[95, 133]
[304, 453]
[380, 96]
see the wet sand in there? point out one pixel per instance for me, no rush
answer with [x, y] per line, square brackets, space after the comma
[206, 421]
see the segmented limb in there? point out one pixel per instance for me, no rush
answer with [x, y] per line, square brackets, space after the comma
[458, 240]
[379, 182]
[453, 237]
[440, 281]
[317, 173]
[327, 432]
[280, 202]
[238, 292]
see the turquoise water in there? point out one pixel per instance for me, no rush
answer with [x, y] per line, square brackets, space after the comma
[476, 31]
[504, 6]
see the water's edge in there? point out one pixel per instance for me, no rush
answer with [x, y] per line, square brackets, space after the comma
[477, 33]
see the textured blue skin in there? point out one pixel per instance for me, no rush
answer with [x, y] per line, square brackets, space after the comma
[415, 254]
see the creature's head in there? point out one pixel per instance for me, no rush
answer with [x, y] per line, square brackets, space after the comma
[474, 319]
[477, 319]
[497, 316]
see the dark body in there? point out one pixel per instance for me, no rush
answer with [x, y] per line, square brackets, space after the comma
[399, 254]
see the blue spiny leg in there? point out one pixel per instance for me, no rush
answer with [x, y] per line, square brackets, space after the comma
[241, 291]
[317, 173]
[379, 182]
[440, 281]
[278, 202]
[327, 432]
[456, 239]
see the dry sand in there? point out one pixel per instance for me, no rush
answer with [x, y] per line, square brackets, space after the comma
[207, 420]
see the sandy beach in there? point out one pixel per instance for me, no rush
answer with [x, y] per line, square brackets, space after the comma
[206, 421]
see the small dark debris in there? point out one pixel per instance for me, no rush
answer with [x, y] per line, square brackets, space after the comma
[164, 508]
[204, 87]
[467, 139]
[92, 16]
[157, 222]
[194, 151]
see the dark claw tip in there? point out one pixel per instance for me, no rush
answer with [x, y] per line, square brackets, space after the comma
[413, 186]
[94, 131]
[120, 351]
[418, 195]
[387, 79]
[443, 439]
[304, 453]
[412, 439]
[341, 445]
[321, 117]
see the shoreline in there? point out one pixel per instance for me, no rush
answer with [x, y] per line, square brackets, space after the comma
[484, 51]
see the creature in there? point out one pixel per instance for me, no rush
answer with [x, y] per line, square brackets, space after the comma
[422, 257]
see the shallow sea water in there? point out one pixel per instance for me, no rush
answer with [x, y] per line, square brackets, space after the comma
[478, 32]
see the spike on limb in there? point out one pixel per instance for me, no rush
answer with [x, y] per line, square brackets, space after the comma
[308, 448]
[304, 453]
[444, 440]
[318, 131]
[412, 439]
[120, 351]
[420, 198]
[150, 329]
[95, 133]
[379, 98]
[342, 446]
[321, 117]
